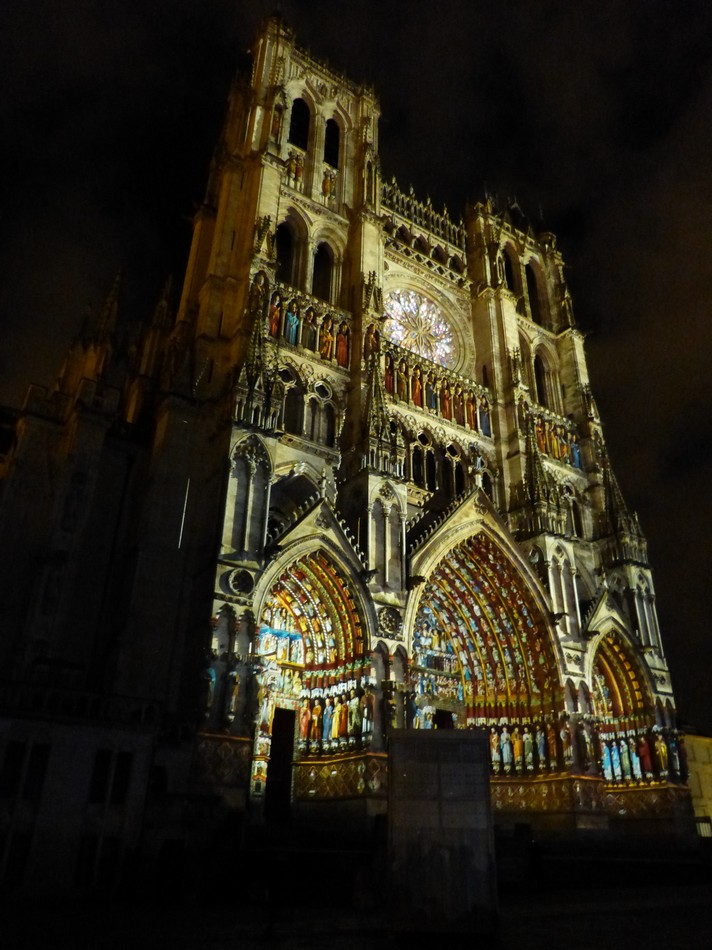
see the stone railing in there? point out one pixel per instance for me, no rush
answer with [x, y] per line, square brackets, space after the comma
[422, 214]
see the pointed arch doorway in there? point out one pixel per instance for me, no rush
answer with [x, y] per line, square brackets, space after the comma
[311, 670]
[482, 649]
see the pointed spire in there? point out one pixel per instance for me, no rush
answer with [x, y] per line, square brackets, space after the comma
[105, 323]
[254, 360]
[377, 416]
[619, 517]
[162, 313]
[536, 479]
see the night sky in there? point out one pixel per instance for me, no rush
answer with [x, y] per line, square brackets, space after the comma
[596, 115]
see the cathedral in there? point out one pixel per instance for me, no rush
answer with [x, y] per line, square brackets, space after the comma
[352, 480]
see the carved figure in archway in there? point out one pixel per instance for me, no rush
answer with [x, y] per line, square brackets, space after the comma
[646, 762]
[316, 717]
[275, 315]
[342, 345]
[458, 402]
[326, 339]
[291, 330]
[328, 720]
[371, 344]
[518, 750]
[495, 754]
[661, 754]
[304, 720]
[634, 759]
[528, 742]
[309, 330]
[485, 426]
[471, 410]
[445, 400]
[417, 388]
[541, 746]
[389, 374]
[505, 741]
[355, 714]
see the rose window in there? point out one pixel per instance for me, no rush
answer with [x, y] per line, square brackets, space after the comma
[417, 324]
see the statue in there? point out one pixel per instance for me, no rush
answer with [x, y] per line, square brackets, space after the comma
[528, 742]
[326, 339]
[445, 400]
[661, 753]
[551, 743]
[625, 760]
[567, 744]
[505, 742]
[518, 750]
[389, 379]
[367, 704]
[355, 714]
[316, 715]
[328, 720]
[371, 341]
[417, 388]
[342, 345]
[541, 746]
[291, 330]
[309, 330]
[304, 719]
[458, 403]
[275, 315]
[403, 379]
[495, 755]
[471, 411]
[646, 762]
[485, 427]
[634, 759]
[606, 761]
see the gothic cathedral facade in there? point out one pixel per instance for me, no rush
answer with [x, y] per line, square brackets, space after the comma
[366, 446]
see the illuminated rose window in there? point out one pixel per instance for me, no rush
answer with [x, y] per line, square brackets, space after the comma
[415, 323]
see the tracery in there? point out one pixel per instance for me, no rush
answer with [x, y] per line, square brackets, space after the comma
[416, 323]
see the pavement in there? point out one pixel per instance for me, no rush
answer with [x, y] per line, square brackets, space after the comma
[666, 916]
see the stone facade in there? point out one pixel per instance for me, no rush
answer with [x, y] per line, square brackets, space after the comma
[357, 481]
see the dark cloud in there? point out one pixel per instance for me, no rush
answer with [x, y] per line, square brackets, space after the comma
[597, 113]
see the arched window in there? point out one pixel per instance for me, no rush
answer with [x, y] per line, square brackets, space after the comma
[418, 470]
[423, 464]
[540, 380]
[293, 410]
[285, 254]
[454, 482]
[331, 143]
[533, 294]
[299, 124]
[329, 425]
[323, 267]
[430, 479]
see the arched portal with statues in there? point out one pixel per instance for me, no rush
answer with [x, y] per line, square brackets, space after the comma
[631, 747]
[480, 642]
[312, 669]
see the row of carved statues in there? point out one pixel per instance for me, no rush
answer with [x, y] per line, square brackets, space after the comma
[552, 437]
[336, 722]
[321, 335]
[632, 756]
[435, 393]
